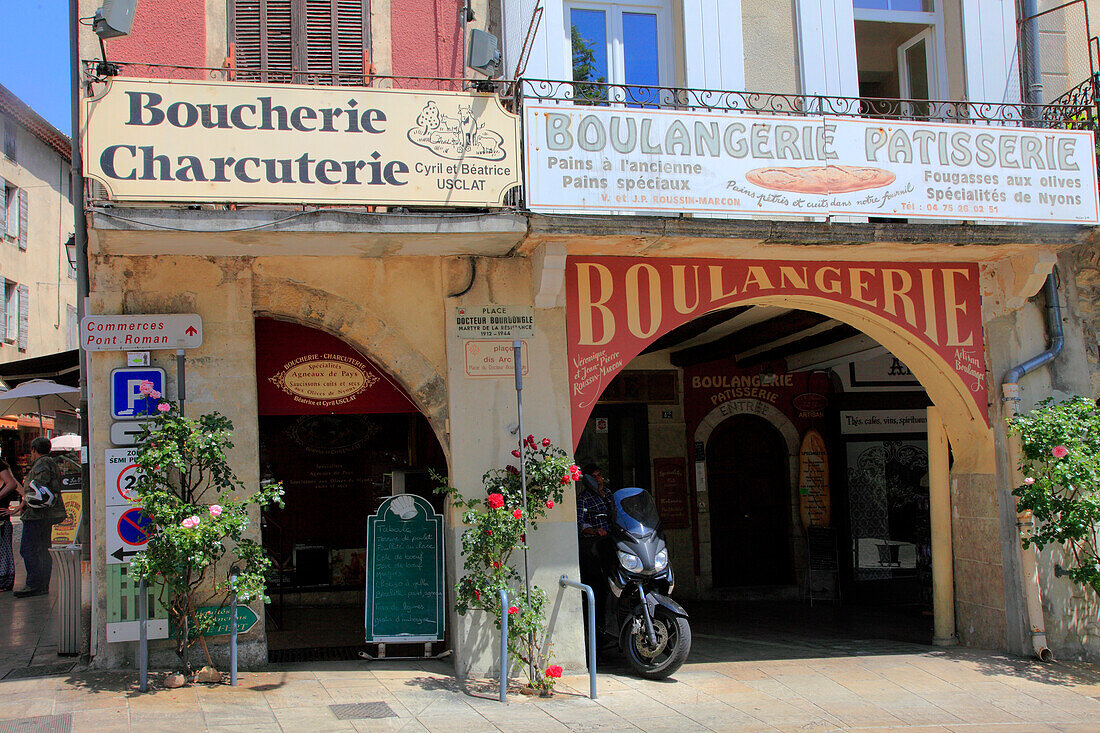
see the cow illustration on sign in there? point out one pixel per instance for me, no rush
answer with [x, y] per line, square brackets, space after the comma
[460, 136]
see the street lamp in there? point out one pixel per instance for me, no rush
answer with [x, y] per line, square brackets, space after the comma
[70, 250]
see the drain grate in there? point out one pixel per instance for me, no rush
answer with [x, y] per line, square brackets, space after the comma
[322, 654]
[41, 724]
[358, 710]
[40, 670]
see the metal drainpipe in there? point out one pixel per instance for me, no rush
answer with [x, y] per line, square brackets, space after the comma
[1029, 56]
[1010, 390]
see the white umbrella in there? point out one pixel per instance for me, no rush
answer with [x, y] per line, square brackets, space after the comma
[36, 395]
[68, 441]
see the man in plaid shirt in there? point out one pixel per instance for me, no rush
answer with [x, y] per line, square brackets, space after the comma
[593, 503]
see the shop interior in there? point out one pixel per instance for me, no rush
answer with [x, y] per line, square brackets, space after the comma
[338, 456]
[787, 453]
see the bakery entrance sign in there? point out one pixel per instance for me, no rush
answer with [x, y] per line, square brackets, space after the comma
[157, 140]
[608, 160]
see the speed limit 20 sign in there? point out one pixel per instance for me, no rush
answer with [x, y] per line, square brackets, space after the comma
[122, 473]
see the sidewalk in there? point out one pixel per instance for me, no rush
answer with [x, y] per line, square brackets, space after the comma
[917, 690]
[750, 679]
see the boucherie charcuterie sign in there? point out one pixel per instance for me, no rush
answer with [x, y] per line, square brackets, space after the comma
[156, 140]
[608, 160]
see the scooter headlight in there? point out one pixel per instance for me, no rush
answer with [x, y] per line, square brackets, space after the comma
[630, 562]
[660, 561]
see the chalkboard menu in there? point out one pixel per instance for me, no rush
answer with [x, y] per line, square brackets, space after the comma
[405, 595]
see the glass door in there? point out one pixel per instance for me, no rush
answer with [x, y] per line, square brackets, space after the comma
[916, 72]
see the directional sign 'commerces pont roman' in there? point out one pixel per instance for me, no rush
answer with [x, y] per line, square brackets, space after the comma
[127, 333]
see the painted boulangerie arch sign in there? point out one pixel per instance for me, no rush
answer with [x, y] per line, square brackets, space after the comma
[616, 306]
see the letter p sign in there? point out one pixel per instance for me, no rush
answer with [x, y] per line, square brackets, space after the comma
[127, 400]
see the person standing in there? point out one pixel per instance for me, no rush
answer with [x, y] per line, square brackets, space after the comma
[39, 517]
[9, 490]
[593, 526]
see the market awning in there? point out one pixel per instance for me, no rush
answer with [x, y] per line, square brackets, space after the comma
[62, 367]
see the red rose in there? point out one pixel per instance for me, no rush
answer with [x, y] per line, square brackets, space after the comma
[488, 531]
[565, 479]
[513, 610]
[553, 671]
[515, 453]
[549, 503]
[513, 470]
[496, 501]
[477, 594]
[496, 564]
[517, 513]
[545, 442]
[531, 440]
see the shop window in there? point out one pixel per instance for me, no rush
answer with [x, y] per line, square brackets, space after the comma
[627, 46]
[300, 41]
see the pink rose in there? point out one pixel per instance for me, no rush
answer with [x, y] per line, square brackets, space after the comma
[215, 510]
[1029, 480]
[154, 394]
[164, 407]
[194, 520]
[145, 387]
[1059, 451]
[188, 523]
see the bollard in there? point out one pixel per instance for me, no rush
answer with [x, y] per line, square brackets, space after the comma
[143, 637]
[233, 631]
[564, 581]
[503, 645]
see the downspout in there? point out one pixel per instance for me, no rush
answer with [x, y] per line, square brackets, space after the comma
[1010, 390]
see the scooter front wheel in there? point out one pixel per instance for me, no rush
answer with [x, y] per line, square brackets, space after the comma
[673, 643]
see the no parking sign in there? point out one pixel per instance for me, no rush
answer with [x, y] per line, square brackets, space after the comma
[128, 530]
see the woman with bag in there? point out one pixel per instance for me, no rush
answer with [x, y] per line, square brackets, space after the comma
[42, 508]
[9, 490]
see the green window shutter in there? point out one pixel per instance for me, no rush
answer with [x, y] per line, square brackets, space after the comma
[24, 316]
[23, 219]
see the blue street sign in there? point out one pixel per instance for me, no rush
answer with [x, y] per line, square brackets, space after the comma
[134, 526]
[127, 401]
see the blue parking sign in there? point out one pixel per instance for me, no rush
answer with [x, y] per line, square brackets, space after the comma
[127, 401]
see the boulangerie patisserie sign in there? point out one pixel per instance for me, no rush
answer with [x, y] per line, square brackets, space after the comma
[621, 160]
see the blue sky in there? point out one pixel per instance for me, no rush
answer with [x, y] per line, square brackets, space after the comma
[34, 56]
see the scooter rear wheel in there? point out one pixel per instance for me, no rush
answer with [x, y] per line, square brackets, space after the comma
[673, 644]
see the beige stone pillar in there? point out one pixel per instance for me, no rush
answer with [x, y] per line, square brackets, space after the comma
[939, 494]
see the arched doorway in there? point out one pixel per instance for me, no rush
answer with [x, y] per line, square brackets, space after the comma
[341, 434]
[750, 508]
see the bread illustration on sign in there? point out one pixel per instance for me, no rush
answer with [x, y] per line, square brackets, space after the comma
[820, 179]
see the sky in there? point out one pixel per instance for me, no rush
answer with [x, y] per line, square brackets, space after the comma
[34, 56]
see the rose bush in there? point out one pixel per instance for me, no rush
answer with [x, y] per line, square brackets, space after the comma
[200, 512]
[1060, 460]
[496, 532]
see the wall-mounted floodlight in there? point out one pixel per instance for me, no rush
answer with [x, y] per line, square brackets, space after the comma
[115, 18]
[484, 53]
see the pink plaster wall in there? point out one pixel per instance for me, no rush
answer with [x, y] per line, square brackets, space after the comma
[164, 32]
[426, 38]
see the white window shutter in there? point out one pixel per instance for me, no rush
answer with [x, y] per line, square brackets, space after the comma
[10, 200]
[3, 207]
[5, 288]
[23, 219]
[24, 316]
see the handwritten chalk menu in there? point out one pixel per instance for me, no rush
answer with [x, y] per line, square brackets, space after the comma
[405, 593]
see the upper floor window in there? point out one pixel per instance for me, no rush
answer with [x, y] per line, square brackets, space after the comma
[919, 6]
[9, 138]
[300, 41]
[626, 45]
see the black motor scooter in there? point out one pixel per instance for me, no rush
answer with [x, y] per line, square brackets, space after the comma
[650, 628]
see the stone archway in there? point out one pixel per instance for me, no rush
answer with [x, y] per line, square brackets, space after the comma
[285, 299]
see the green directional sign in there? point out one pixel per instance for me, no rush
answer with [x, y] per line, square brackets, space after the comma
[246, 619]
[405, 594]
